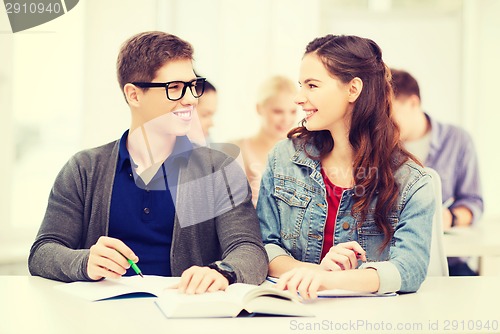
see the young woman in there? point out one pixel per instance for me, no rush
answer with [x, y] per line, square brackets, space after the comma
[278, 113]
[342, 190]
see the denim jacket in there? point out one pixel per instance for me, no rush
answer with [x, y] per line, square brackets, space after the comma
[292, 210]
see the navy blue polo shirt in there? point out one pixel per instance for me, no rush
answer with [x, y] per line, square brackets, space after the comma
[142, 215]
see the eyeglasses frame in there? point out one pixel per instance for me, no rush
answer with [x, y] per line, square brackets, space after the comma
[166, 84]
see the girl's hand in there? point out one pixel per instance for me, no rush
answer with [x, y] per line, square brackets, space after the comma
[305, 281]
[343, 256]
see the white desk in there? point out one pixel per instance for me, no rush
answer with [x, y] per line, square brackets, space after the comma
[481, 240]
[31, 305]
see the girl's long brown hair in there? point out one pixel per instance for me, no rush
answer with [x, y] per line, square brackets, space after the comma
[373, 135]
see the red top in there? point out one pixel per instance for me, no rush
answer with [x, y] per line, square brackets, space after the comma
[333, 196]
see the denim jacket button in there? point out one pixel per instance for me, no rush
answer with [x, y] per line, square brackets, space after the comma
[346, 226]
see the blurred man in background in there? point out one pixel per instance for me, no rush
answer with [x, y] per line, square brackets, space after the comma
[446, 148]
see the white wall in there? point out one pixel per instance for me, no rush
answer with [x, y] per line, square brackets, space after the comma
[485, 112]
[42, 76]
[6, 137]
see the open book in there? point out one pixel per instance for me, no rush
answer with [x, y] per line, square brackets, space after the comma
[229, 303]
[235, 299]
[336, 293]
[133, 286]
[339, 293]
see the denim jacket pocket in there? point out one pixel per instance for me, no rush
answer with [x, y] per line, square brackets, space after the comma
[292, 206]
[291, 197]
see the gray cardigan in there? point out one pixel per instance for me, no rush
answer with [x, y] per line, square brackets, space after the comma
[78, 214]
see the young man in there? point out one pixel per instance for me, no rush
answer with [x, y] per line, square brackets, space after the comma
[184, 210]
[447, 149]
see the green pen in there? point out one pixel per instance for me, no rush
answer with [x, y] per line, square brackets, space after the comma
[132, 264]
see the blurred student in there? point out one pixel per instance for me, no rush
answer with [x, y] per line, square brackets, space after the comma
[207, 106]
[278, 113]
[182, 210]
[446, 148]
[342, 189]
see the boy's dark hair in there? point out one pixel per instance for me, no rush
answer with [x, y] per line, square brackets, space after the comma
[142, 55]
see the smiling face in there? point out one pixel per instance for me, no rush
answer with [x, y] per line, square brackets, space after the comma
[162, 115]
[324, 99]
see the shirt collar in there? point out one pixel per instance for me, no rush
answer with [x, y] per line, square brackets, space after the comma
[182, 149]
[123, 155]
[181, 152]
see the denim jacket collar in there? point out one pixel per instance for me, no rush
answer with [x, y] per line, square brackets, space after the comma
[301, 158]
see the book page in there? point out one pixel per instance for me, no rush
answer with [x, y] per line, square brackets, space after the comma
[272, 305]
[229, 303]
[247, 292]
[265, 299]
[339, 293]
[174, 304]
[335, 293]
[109, 288]
[239, 291]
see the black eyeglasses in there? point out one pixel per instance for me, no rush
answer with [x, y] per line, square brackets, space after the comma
[176, 89]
